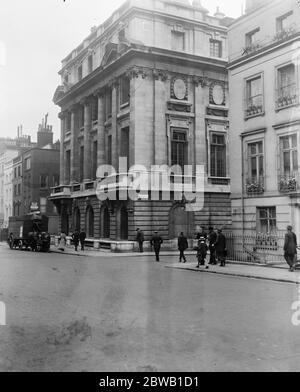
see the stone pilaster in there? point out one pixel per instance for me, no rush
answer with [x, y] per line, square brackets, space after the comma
[62, 117]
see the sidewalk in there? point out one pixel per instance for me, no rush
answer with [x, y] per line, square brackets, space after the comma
[276, 273]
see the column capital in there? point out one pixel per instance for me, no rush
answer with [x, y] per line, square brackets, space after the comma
[159, 74]
[100, 92]
[200, 80]
[62, 115]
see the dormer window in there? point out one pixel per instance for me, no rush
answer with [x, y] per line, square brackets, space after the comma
[252, 37]
[79, 73]
[283, 23]
[90, 63]
[178, 38]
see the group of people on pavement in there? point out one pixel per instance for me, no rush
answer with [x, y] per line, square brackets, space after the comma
[215, 242]
[79, 237]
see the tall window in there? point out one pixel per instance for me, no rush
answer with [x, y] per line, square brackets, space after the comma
[124, 90]
[68, 166]
[289, 155]
[81, 117]
[27, 164]
[254, 96]
[125, 144]
[108, 102]
[256, 161]
[43, 205]
[109, 150]
[179, 148]
[178, 39]
[284, 22]
[44, 181]
[218, 155]
[95, 109]
[215, 48]
[79, 73]
[81, 163]
[68, 122]
[266, 220]
[95, 157]
[287, 90]
[252, 37]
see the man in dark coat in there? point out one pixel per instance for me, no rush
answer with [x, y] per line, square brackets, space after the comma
[75, 238]
[156, 242]
[212, 238]
[82, 237]
[221, 251]
[201, 251]
[290, 248]
[182, 246]
[140, 238]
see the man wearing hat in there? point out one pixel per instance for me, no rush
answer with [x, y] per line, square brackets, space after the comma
[156, 242]
[290, 248]
[140, 238]
[220, 246]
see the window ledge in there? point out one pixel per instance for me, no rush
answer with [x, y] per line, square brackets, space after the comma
[125, 105]
[278, 109]
[254, 115]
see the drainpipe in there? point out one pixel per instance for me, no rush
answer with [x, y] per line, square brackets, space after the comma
[242, 193]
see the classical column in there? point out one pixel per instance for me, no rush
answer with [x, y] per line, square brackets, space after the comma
[87, 158]
[74, 145]
[62, 117]
[101, 129]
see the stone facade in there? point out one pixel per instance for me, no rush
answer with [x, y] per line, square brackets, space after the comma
[264, 82]
[150, 75]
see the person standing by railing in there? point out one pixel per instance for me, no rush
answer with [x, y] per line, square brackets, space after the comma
[290, 248]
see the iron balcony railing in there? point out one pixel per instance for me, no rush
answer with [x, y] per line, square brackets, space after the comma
[255, 185]
[287, 96]
[254, 105]
[288, 182]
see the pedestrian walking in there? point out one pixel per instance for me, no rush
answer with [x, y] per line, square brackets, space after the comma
[201, 251]
[75, 238]
[182, 246]
[62, 241]
[220, 246]
[140, 238]
[82, 237]
[212, 238]
[290, 248]
[156, 242]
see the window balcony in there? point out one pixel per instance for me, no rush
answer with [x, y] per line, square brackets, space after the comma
[288, 183]
[255, 186]
[254, 106]
[287, 96]
[61, 191]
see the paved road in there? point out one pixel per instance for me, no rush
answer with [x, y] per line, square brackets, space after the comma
[69, 313]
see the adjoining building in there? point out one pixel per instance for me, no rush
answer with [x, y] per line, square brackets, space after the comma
[149, 84]
[35, 172]
[264, 81]
[9, 149]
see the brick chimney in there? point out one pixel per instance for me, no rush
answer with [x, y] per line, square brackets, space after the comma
[44, 134]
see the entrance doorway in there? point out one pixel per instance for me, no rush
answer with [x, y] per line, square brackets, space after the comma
[181, 221]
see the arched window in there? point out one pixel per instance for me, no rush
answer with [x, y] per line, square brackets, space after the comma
[105, 222]
[89, 222]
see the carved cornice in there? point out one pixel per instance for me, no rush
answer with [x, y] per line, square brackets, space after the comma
[159, 74]
[136, 72]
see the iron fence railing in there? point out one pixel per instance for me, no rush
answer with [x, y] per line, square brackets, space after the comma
[256, 248]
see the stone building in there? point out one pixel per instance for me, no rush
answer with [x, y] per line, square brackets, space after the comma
[264, 117]
[149, 84]
[9, 149]
[34, 172]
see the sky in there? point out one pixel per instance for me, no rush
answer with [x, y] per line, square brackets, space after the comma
[35, 35]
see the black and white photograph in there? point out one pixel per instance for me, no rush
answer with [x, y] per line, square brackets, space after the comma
[149, 189]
